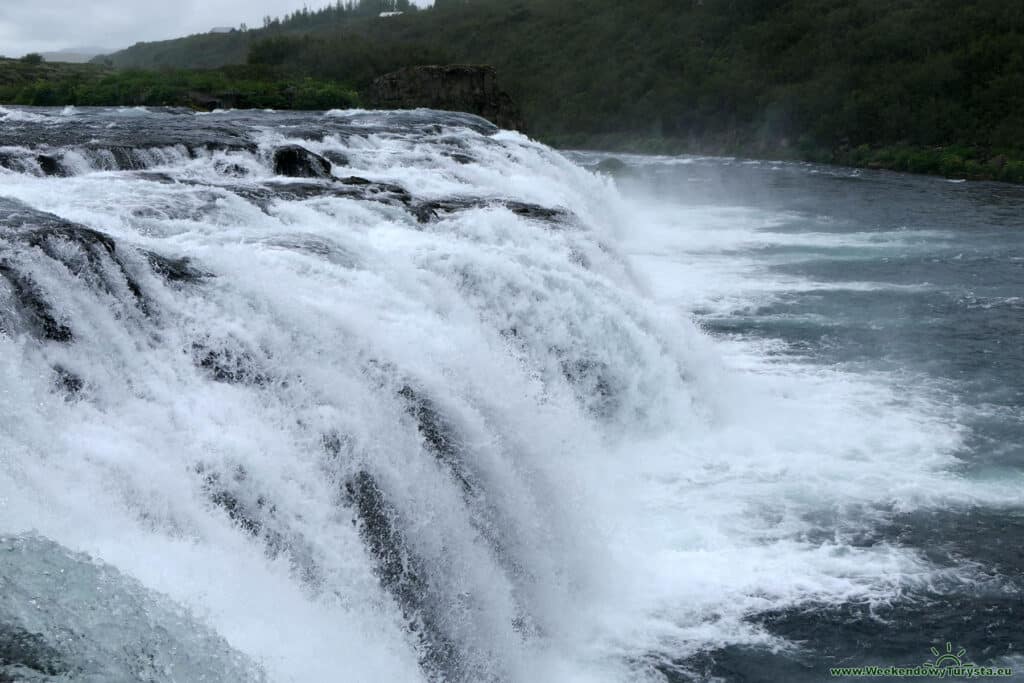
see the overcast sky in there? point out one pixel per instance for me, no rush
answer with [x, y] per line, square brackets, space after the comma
[46, 25]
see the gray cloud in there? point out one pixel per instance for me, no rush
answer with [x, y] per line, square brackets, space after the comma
[45, 25]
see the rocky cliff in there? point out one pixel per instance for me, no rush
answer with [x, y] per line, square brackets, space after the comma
[465, 88]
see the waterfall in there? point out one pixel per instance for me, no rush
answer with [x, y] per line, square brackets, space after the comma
[374, 396]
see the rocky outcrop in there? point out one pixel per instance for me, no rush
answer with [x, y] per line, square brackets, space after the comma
[299, 162]
[28, 237]
[204, 101]
[432, 210]
[466, 88]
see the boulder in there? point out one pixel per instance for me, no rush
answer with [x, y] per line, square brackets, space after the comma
[175, 269]
[50, 165]
[299, 162]
[611, 166]
[336, 158]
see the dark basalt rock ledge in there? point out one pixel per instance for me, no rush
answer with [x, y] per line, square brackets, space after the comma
[455, 87]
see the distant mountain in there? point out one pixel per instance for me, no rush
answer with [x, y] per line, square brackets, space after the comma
[76, 55]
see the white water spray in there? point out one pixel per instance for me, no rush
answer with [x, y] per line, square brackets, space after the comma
[438, 434]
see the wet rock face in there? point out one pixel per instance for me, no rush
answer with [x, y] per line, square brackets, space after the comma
[27, 654]
[298, 162]
[50, 165]
[56, 624]
[84, 252]
[465, 88]
[67, 382]
[175, 269]
[265, 194]
[432, 210]
[336, 158]
[31, 242]
[228, 361]
[402, 574]
[34, 309]
[439, 436]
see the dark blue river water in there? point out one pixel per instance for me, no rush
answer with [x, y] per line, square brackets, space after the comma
[913, 282]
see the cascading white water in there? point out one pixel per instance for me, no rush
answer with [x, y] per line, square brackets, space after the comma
[425, 422]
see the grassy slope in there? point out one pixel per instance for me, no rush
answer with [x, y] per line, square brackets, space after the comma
[95, 85]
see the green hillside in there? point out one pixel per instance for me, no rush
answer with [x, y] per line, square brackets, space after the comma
[18, 73]
[921, 85]
[54, 85]
[201, 51]
[212, 50]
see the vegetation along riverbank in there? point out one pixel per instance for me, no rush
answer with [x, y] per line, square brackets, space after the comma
[926, 86]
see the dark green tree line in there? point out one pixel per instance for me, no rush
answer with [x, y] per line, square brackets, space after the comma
[915, 84]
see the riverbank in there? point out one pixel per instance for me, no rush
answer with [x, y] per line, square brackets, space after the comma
[952, 161]
[263, 87]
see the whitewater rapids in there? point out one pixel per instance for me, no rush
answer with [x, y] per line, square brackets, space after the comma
[424, 416]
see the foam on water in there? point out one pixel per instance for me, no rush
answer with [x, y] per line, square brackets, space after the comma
[11, 115]
[610, 490]
[719, 259]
